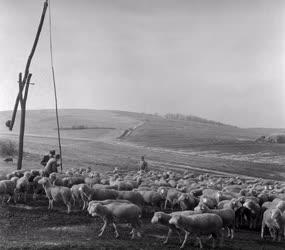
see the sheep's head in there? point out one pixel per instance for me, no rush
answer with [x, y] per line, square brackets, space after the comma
[44, 181]
[27, 174]
[156, 217]
[15, 179]
[52, 176]
[175, 219]
[184, 197]
[96, 209]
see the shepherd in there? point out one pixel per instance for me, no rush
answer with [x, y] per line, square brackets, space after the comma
[143, 165]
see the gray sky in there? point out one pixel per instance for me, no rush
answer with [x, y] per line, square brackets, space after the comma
[219, 59]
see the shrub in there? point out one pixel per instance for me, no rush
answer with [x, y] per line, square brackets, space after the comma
[8, 148]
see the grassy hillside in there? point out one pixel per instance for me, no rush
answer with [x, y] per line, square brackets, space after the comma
[153, 130]
[182, 134]
[43, 122]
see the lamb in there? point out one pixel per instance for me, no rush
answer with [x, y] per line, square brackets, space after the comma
[227, 215]
[273, 219]
[115, 210]
[56, 193]
[163, 219]
[23, 186]
[199, 224]
[7, 187]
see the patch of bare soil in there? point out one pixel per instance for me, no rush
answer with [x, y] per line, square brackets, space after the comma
[32, 226]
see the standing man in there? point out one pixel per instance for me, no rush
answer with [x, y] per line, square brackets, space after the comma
[143, 165]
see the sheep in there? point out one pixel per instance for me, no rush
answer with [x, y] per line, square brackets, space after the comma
[115, 210]
[78, 196]
[255, 210]
[56, 193]
[234, 204]
[37, 188]
[163, 219]
[227, 215]
[152, 198]
[91, 181]
[56, 180]
[209, 201]
[23, 186]
[272, 218]
[172, 197]
[7, 187]
[96, 194]
[134, 197]
[198, 224]
[187, 201]
[72, 180]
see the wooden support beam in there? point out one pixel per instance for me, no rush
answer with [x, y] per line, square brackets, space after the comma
[23, 101]
[26, 73]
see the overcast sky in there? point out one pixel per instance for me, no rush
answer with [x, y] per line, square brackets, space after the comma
[219, 59]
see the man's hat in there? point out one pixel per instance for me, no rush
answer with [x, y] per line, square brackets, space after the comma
[52, 152]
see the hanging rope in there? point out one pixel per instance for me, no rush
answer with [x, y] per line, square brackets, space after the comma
[54, 85]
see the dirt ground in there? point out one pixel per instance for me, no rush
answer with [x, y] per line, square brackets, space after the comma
[33, 226]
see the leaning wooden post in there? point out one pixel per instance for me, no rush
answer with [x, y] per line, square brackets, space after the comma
[11, 124]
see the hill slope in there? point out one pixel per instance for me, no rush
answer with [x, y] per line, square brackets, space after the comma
[144, 129]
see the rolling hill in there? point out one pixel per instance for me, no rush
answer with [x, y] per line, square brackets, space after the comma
[139, 128]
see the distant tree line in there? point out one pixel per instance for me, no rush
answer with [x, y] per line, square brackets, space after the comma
[177, 116]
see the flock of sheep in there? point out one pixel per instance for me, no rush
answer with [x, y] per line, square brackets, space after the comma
[200, 204]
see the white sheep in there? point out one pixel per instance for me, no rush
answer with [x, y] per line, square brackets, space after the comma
[274, 220]
[7, 188]
[199, 224]
[117, 210]
[163, 219]
[56, 193]
[227, 215]
[23, 186]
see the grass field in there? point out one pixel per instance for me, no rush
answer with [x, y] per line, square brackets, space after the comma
[167, 144]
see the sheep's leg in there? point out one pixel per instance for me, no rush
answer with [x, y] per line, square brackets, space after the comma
[134, 233]
[220, 238]
[272, 233]
[51, 204]
[102, 229]
[262, 231]
[168, 235]
[139, 234]
[68, 207]
[85, 204]
[116, 231]
[200, 242]
[165, 204]
[9, 199]
[185, 239]
[25, 197]
[232, 233]
[3, 200]
[179, 236]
